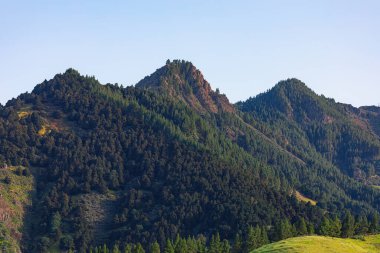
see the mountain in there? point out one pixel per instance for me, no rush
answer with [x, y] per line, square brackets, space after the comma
[111, 165]
[183, 81]
[342, 134]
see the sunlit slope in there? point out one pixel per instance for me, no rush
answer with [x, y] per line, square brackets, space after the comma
[16, 186]
[321, 244]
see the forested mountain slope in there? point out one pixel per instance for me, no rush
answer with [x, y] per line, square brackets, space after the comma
[97, 151]
[372, 115]
[170, 156]
[296, 165]
[342, 134]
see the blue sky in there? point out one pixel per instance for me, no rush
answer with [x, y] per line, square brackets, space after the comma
[242, 47]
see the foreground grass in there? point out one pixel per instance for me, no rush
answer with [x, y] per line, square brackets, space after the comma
[321, 244]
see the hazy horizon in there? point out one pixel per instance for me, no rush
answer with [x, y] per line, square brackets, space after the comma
[242, 47]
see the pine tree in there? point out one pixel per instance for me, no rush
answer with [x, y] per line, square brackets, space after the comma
[128, 248]
[215, 244]
[139, 248]
[169, 248]
[226, 247]
[264, 236]
[348, 226]
[325, 227]
[238, 244]
[374, 227]
[251, 239]
[310, 229]
[115, 249]
[301, 227]
[361, 226]
[181, 246]
[336, 227]
[283, 230]
[256, 238]
[176, 241]
[294, 229]
[155, 248]
[201, 244]
[191, 244]
[105, 249]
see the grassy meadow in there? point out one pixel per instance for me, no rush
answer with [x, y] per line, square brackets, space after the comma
[321, 244]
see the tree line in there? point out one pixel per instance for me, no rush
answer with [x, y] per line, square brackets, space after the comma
[254, 237]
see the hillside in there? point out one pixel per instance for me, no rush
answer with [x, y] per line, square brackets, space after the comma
[304, 122]
[372, 115]
[320, 244]
[261, 141]
[101, 140]
[16, 185]
[116, 165]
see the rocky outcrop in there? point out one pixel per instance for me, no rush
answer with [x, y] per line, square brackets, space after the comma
[183, 81]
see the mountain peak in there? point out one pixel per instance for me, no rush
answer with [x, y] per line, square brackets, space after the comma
[182, 80]
[292, 85]
[294, 99]
[71, 71]
[71, 79]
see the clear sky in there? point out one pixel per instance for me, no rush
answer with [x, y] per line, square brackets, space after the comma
[242, 47]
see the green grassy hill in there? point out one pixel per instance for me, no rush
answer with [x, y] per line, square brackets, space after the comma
[321, 244]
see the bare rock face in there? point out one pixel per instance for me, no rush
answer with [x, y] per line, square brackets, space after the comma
[182, 80]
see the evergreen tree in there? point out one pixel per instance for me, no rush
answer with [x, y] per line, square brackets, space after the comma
[169, 248]
[325, 228]
[181, 246]
[361, 226]
[155, 248]
[128, 248]
[310, 229]
[336, 227]
[215, 244]
[283, 230]
[238, 244]
[264, 236]
[251, 239]
[374, 227]
[115, 249]
[139, 248]
[226, 247]
[105, 249]
[176, 241]
[348, 226]
[302, 227]
[256, 238]
[201, 244]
